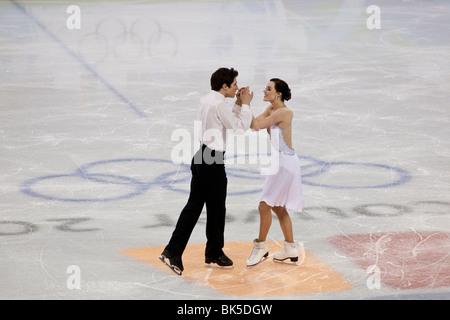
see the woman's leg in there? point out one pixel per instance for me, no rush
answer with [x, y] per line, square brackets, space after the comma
[290, 247]
[285, 223]
[260, 249]
[265, 220]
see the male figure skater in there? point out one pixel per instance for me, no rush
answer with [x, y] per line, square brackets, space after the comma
[209, 180]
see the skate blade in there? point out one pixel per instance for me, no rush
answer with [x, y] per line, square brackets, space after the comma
[173, 268]
[216, 266]
[291, 262]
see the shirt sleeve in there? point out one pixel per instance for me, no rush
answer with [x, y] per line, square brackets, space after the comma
[237, 119]
[237, 108]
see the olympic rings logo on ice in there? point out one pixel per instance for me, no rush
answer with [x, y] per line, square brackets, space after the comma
[99, 182]
[113, 37]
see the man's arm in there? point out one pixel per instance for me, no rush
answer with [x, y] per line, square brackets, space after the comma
[240, 118]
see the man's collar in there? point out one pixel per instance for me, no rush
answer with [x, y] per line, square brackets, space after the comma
[218, 95]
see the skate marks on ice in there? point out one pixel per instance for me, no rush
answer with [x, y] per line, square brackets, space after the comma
[266, 279]
[402, 260]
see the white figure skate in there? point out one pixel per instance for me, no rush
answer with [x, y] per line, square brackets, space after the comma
[290, 252]
[259, 254]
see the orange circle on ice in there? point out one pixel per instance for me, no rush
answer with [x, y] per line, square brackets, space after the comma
[268, 278]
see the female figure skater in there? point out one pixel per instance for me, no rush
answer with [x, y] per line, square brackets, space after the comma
[283, 189]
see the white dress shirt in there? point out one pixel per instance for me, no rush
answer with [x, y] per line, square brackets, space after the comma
[217, 117]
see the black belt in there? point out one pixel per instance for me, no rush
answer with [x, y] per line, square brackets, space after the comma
[213, 152]
[209, 156]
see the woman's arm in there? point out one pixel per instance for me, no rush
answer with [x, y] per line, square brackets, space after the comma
[267, 119]
[256, 120]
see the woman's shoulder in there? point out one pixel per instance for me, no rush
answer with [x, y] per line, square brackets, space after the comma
[286, 112]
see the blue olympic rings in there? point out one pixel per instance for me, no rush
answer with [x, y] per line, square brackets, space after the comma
[131, 187]
[137, 187]
[401, 176]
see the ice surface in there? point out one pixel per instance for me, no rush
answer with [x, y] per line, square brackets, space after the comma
[88, 117]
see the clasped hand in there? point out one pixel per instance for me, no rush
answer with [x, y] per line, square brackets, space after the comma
[244, 96]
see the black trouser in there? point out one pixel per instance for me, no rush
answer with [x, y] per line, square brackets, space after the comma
[208, 186]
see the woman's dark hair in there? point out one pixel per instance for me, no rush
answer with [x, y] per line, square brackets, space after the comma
[282, 87]
[221, 76]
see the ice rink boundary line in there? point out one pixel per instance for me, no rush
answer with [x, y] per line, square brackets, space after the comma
[81, 61]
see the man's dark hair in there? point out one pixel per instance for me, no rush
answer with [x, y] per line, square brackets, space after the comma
[223, 76]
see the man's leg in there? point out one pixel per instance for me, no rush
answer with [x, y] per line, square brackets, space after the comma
[188, 217]
[216, 192]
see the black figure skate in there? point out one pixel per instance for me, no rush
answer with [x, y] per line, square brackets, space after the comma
[172, 261]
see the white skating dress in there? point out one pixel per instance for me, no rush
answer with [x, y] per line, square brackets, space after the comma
[283, 187]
